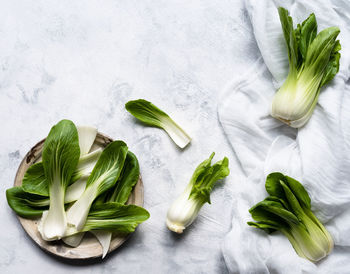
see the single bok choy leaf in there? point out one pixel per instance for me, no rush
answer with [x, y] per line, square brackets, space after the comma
[104, 175]
[288, 210]
[153, 116]
[313, 62]
[119, 193]
[185, 208]
[113, 217]
[60, 158]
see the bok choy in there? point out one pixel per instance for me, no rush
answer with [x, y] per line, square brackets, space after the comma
[60, 158]
[153, 116]
[119, 194]
[104, 175]
[313, 63]
[185, 208]
[288, 210]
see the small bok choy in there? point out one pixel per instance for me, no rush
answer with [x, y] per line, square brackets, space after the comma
[153, 116]
[313, 63]
[288, 210]
[185, 208]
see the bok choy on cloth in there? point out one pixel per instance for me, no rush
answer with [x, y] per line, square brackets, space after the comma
[317, 154]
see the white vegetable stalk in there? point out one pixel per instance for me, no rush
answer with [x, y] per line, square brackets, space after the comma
[55, 223]
[183, 211]
[104, 237]
[77, 213]
[176, 133]
[87, 136]
[296, 100]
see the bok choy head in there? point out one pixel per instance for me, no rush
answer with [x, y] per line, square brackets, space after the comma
[60, 158]
[288, 210]
[185, 208]
[153, 116]
[313, 62]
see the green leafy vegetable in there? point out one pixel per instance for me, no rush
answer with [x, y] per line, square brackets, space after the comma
[60, 158]
[185, 208]
[313, 62]
[113, 217]
[25, 204]
[151, 115]
[288, 210]
[104, 175]
[120, 194]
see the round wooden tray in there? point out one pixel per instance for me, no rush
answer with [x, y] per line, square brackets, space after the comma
[89, 248]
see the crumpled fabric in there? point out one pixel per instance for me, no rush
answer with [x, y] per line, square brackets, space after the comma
[318, 155]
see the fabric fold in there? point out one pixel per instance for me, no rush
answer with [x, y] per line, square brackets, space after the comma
[318, 154]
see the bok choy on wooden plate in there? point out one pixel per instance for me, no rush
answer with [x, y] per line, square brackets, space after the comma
[77, 181]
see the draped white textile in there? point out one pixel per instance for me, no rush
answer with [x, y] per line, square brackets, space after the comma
[318, 154]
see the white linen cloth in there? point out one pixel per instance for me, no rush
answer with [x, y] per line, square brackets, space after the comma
[318, 155]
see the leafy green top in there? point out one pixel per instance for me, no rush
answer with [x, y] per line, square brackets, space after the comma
[61, 152]
[318, 53]
[205, 176]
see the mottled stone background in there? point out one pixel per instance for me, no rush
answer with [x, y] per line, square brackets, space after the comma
[83, 60]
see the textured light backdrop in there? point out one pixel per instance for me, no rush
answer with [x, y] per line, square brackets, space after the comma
[82, 60]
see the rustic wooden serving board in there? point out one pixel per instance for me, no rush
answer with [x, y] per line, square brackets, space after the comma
[89, 247]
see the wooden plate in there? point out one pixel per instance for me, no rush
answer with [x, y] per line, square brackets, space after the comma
[89, 247]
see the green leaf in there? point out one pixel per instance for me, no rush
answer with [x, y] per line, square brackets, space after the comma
[34, 180]
[289, 36]
[24, 204]
[267, 226]
[128, 179]
[320, 50]
[273, 185]
[293, 201]
[308, 32]
[151, 115]
[332, 67]
[278, 200]
[259, 212]
[60, 155]
[205, 176]
[299, 191]
[115, 217]
[108, 167]
[146, 112]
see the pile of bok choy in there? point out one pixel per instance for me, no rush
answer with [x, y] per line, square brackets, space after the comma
[288, 210]
[313, 63]
[75, 190]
